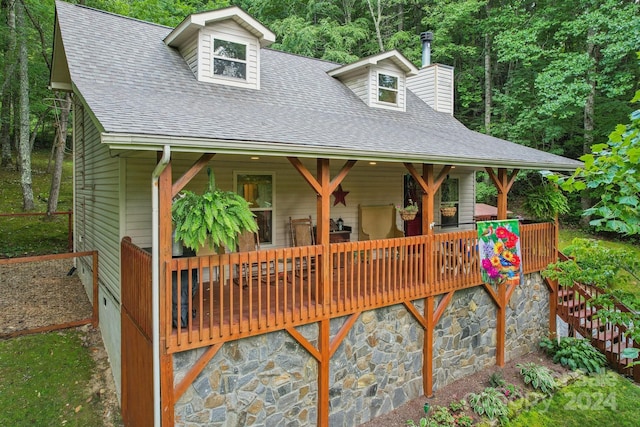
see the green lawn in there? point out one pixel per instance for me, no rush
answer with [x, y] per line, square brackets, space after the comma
[45, 381]
[23, 236]
[600, 400]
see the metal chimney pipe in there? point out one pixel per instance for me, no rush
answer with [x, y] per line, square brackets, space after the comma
[426, 38]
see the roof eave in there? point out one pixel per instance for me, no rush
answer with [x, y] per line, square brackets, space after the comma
[400, 60]
[125, 142]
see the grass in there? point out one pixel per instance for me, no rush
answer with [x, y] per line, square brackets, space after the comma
[32, 235]
[630, 284]
[45, 381]
[602, 399]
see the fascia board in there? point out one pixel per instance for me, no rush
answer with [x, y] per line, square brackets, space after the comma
[134, 142]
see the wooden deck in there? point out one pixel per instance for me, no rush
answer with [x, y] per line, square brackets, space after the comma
[238, 295]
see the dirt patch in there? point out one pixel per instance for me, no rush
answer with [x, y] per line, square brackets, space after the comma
[36, 294]
[461, 388]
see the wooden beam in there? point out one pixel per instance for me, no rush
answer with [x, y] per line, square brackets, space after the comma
[414, 173]
[427, 348]
[304, 342]
[342, 333]
[420, 318]
[191, 173]
[492, 293]
[441, 177]
[195, 370]
[501, 327]
[308, 176]
[442, 305]
[323, 209]
[428, 205]
[166, 360]
[337, 180]
[324, 344]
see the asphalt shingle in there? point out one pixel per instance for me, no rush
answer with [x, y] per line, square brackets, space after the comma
[135, 84]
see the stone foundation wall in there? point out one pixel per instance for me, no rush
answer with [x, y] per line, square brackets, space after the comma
[270, 380]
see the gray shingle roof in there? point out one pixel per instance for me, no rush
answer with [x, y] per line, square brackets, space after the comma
[137, 86]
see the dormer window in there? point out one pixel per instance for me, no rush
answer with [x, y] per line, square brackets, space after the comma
[388, 88]
[229, 59]
[379, 80]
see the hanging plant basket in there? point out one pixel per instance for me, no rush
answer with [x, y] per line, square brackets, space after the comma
[448, 211]
[408, 216]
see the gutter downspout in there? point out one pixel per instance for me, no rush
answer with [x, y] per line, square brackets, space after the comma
[155, 279]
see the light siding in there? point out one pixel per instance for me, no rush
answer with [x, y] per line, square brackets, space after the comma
[189, 52]
[434, 85]
[367, 185]
[97, 226]
[358, 82]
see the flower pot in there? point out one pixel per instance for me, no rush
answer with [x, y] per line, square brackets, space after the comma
[448, 211]
[408, 216]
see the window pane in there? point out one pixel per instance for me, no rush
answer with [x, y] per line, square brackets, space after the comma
[257, 190]
[229, 49]
[385, 95]
[385, 80]
[223, 67]
[264, 220]
[449, 190]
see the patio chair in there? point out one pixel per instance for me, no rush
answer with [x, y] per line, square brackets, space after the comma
[301, 230]
[247, 241]
[377, 222]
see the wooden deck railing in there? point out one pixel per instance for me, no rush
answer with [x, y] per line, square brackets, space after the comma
[218, 298]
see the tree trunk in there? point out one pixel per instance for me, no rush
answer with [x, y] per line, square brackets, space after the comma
[487, 84]
[24, 147]
[589, 112]
[9, 71]
[60, 144]
[377, 19]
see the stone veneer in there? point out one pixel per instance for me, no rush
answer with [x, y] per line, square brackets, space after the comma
[270, 380]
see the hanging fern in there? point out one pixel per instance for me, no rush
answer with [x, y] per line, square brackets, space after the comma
[214, 218]
[545, 201]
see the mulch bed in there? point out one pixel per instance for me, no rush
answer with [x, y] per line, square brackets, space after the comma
[39, 294]
[461, 388]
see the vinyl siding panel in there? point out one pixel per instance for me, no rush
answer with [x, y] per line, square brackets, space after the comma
[434, 85]
[359, 84]
[97, 225]
[189, 52]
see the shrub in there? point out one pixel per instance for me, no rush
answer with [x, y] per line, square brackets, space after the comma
[510, 391]
[489, 402]
[458, 406]
[496, 380]
[575, 353]
[538, 376]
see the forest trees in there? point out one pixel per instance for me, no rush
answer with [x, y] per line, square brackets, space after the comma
[552, 75]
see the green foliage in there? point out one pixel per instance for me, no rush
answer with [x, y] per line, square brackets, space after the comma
[496, 380]
[612, 168]
[595, 400]
[545, 201]
[34, 235]
[601, 266]
[215, 217]
[538, 376]
[458, 406]
[489, 402]
[46, 382]
[486, 193]
[575, 353]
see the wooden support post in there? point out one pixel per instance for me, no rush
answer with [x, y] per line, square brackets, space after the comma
[503, 183]
[324, 346]
[427, 353]
[166, 360]
[323, 204]
[501, 328]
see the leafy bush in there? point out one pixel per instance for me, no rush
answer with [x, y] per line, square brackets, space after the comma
[458, 406]
[510, 391]
[496, 380]
[538, 376]
[489, 402]
[575, 353]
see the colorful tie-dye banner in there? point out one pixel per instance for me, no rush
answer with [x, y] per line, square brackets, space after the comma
[500, 253]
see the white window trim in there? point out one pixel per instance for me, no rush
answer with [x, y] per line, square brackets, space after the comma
[396, 90]
[242, 61]
[274, 227]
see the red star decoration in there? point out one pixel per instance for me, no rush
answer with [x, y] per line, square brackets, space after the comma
[339, 195]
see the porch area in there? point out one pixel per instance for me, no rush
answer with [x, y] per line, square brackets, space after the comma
[239, 295]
